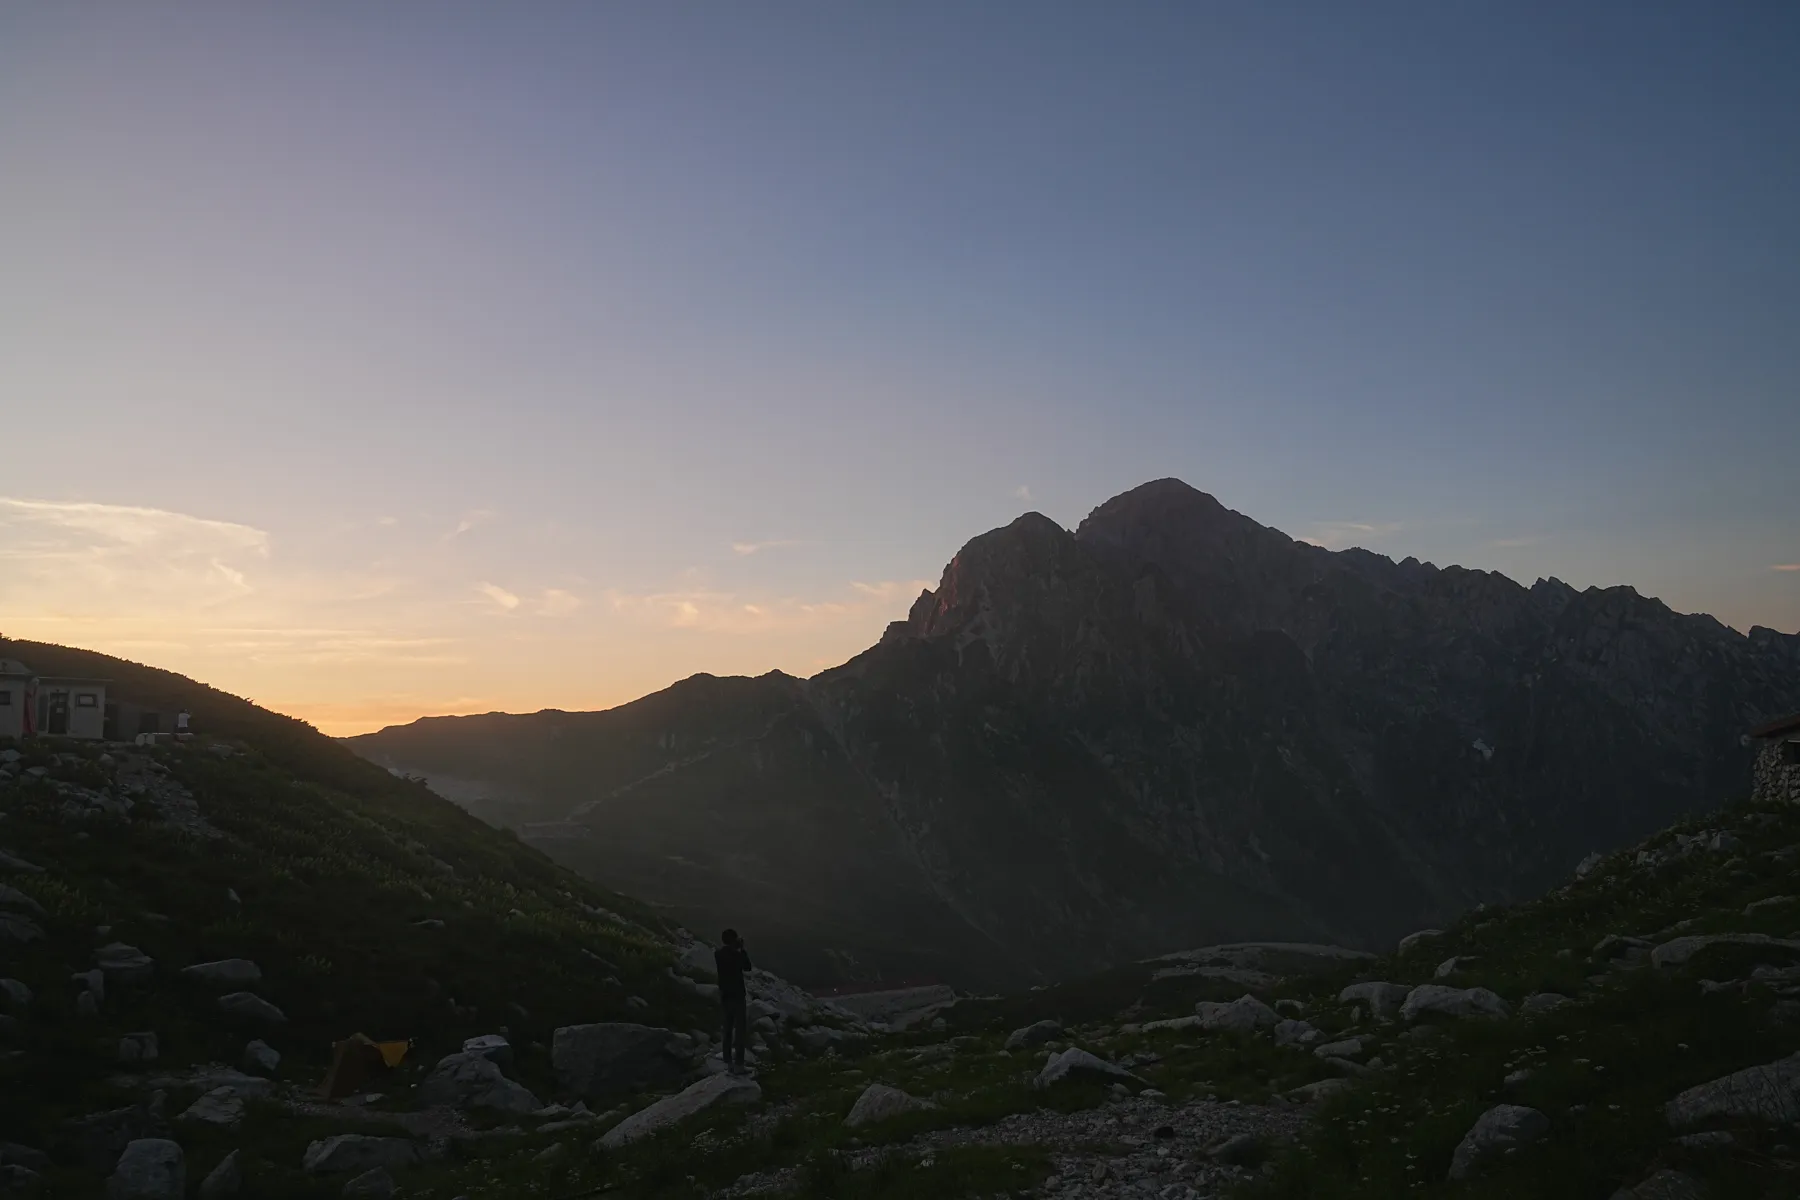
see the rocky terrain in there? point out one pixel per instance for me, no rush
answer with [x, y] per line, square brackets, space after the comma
[1171, 727]
[186, 932]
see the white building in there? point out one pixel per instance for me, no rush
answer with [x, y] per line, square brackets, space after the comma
[50, 705]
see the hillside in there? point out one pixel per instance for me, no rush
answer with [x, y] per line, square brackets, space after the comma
[333, 899]
[1173, 726]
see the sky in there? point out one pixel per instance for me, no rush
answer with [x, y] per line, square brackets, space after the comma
[373, 361]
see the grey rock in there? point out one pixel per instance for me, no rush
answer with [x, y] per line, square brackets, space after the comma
[670, 1110]
[12, 897]
[222, 1107]
[225, 1180]
[249, 1007]
[15, 1177]
[99, 1138]
[879, 1102]
[471, 1080]
[1451, 1002]
[1242, 1015]
[1750, 910]
[125, 964]
[1076, 1063]
[1034, 1035]
[614, 1058]
[149, 1169]
[1346, 1048]
[370, 1185]
[1384, 999]
[87, 1004]
[493, 1047]
[1666, 1185]
[94, 981]
[1769, 1094]
[1712, 1139]
[16, 993]
[1451, 966]
[1613, 945]
[358, 1152]
[1539, 1003]
[17, 865]
[1292, 1032]
[13, 1154]
[1519, 1076]
[138, 1047]
[1586, 866]
[261, 1058]
[1414, 939]
[227, 972]
[17, 929]
[1322, 1089]
[1499, 1129]
[1678, 951]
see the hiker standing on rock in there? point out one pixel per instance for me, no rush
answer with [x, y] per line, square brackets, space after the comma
[733, 960]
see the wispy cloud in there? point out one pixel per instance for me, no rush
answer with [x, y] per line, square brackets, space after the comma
[559, 603]
[1022, 492]
[1514, 543]
[1785, 567]
[499, 595]
[745, 549]
[1336, 535]
[79, 556]
[472, 520]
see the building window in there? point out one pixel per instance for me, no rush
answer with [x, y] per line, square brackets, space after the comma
[5, 697]
[87, 700]
[1790, 754]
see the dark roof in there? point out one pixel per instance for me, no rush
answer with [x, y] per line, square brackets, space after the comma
[1776, 728]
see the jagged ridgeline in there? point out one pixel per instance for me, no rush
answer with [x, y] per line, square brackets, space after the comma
[1170, 727]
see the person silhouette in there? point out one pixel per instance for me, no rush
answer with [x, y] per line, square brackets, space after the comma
[733, 961]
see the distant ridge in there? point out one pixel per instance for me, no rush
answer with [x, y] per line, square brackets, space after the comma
[1170, 727]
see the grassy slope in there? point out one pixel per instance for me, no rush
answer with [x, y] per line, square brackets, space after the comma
[1604, 1066]
[333, 860]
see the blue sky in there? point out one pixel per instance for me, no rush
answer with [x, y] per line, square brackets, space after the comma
[379, 360]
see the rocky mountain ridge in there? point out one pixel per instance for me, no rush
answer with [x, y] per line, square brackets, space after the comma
[1173, 726]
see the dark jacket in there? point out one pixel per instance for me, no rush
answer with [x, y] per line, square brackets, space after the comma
[732, 962]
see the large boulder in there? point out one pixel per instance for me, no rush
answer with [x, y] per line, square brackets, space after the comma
[1539, 1003]
[1769, 1094]
[879, 1102]
[18, 929]
[1417, 939]
[125, 964]
[613, 1058]
[370, 1185]
[138, 1047]
[1677, 952]
[225, 1180]
[16, 993]
[1499, 1129]
[261, 1057]
[12, 897]
[149, 1169]
[1451, 1002]
[670, 1110]
[222, 1107]
[492, 1046]
[250, 1008]
[358, 1152]
[1243, 1015]
[227, 972]
[1076, 1063]
[1384, 999]
[1035, 1034]
[471, 1080]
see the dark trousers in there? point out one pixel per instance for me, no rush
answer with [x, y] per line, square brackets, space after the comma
[737, 1027]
